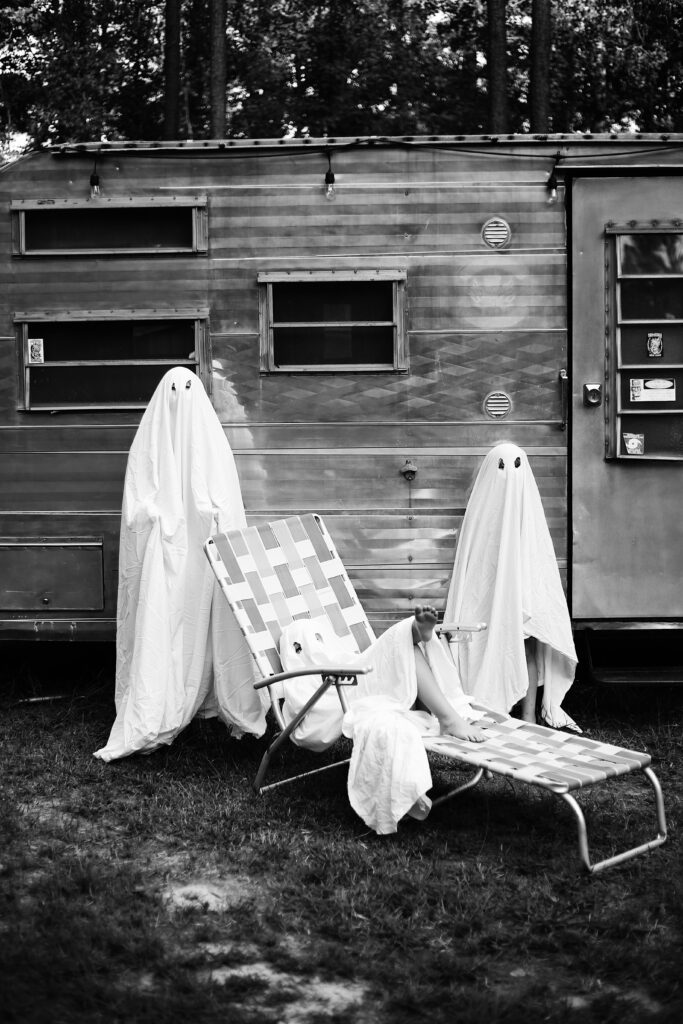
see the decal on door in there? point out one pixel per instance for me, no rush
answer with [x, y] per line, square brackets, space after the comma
[660, 389]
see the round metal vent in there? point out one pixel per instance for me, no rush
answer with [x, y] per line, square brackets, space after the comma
[497, 405]
[496, 233]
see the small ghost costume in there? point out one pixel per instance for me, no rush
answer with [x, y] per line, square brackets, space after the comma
[389, 772]
[506, 575]
[312, 643]
[179, 649]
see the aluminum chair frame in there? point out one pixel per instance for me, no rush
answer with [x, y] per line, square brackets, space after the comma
[289, 569]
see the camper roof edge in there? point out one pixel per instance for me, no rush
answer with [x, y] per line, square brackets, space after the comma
[348, 142]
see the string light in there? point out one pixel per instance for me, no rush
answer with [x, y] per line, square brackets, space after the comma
[94, 182]
[330, 193]
[551, 183]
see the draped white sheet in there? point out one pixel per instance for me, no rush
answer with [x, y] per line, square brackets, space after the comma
[389, 773]
[506, 575]
[179, 649]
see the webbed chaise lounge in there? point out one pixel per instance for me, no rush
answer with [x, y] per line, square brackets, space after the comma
[289, 569]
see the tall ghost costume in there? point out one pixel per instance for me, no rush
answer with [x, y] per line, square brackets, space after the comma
[506, 575]
[179, 649]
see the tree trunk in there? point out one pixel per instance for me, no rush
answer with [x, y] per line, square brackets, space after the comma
[172, 70]
[539, 85]
[218, 68]
[497, 67]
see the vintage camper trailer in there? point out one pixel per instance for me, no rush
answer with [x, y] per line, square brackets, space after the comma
[369, 316]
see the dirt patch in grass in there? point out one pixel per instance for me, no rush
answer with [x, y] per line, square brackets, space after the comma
[217, 895]
[159, 889]
[288, 996]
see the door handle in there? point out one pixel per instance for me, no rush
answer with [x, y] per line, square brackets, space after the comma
[564, 397]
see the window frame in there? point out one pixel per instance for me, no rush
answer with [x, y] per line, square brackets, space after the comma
[615, 361]
[197, 204]
[201, 364]
[267, 325]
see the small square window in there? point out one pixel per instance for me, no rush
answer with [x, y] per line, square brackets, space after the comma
[321, 321]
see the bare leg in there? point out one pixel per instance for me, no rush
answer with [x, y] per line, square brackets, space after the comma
[428, 691]
[528, 702]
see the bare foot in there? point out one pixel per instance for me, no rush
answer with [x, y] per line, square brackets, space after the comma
[426, 618]
[462, 729]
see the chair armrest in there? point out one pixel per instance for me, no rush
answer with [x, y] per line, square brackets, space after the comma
[457, 627]
[281, 677]
[455, 633]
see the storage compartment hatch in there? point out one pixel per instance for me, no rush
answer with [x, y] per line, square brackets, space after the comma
[51, 575]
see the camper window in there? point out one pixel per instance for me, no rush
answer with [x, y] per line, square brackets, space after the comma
[87, 361]
[327, 321]
[644, 356]
[109, 226]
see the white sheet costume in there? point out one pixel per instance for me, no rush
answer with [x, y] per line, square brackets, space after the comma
[506, 575]
[389, 773]
[178, 646]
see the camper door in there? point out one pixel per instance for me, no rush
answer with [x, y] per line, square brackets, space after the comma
[627, 390]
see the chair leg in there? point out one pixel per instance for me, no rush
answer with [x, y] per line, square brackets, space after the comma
[618, 858]
[284, 735]
[293, 778]
[476, 778]
[265, 761]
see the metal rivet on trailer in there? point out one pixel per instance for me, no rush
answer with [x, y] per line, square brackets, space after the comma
[496, 233]
[497, 405]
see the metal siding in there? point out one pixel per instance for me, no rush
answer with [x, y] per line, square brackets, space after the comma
[449, 377]
[477, 320]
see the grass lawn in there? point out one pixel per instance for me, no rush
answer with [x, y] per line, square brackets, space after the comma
[159, 889]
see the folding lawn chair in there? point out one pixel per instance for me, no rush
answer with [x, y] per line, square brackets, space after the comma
[289, 569]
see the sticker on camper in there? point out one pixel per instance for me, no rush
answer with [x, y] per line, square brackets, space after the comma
[634, 444]
[655, 345]
[652, 389]
[36, 353]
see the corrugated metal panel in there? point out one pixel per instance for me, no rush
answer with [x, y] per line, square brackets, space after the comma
[449, 377]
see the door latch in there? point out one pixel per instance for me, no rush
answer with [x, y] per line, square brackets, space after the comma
[592, 394]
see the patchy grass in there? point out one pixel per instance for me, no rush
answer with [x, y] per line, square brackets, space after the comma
[160, 889]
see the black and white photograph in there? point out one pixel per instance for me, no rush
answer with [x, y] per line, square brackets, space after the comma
[341, 511]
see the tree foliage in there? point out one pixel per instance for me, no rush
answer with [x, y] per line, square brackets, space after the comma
[497, 71]
[74, 69]
[89, 69]
[618, 63]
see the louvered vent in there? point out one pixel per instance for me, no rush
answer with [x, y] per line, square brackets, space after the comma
[496, 233]
[497, 405]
